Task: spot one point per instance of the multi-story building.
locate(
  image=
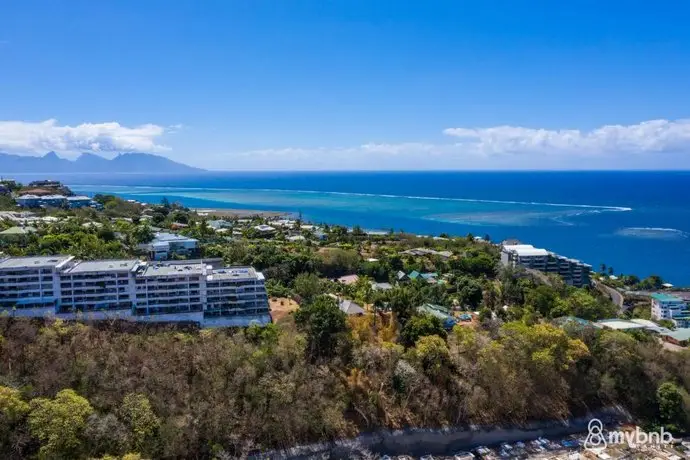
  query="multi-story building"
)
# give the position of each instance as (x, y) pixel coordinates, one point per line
(164, 245)
(573, 271)
(55, 201)
(173, 291)
(97, 286)
(234, 292)
(666, 306)
(181, 291)
(29, 286)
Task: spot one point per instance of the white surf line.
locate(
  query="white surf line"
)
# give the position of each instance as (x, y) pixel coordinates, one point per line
(413, 197)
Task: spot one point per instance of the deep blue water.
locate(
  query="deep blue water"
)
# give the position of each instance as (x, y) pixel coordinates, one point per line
(637, 222)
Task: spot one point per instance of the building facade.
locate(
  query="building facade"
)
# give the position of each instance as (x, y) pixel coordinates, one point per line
(183, 291)
(97, 286)
(666, 306)
(31, 284)
(166, 245)
(55, 201)
(573, 272)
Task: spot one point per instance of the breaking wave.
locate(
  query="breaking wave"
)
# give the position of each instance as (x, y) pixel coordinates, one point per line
(659, 233)
(592, 208)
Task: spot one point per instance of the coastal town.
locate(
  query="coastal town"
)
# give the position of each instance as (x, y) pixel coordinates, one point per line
(171, 252)
(108, 260)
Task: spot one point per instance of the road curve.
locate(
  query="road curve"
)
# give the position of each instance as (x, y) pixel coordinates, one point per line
(615, 296)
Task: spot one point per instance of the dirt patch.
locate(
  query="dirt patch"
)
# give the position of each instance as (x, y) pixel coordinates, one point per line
(281, 307)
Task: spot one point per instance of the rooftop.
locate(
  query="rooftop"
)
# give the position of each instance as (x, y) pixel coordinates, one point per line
(381, 286)
(166, 237)
(619, 324)
(18, 231)
(679, 334)
(527, 250)
(160, 269)
(350, 308)
(33, 262)
(348, 279)
(666, 297)
(104, 266)
(234, 273)
(438, 311)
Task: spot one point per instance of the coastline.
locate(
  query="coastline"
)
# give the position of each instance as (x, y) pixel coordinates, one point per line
(460, 203)
(239, 213)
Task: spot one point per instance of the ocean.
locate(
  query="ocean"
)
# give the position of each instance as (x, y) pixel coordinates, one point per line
(636, 222)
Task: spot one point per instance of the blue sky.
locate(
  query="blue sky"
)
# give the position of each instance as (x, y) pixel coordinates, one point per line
(253, 84)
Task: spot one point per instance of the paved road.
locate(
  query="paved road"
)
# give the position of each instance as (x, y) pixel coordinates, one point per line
(616, 297)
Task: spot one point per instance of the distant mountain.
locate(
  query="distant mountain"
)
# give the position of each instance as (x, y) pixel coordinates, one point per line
(51, 163)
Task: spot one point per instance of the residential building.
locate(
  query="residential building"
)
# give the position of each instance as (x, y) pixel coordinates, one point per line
(218, 224)
(381, 286)
(46, 183)
(350, 308)
(29, 285)
(348, 279)
(284, 223)
(19, 217)
(233, 293)
(16, 233)
(265, 229)
(296, 238)
(427, 252)
(679, 337)
(170, 292)
(573, 272)
(625, 325)
(166, 245)
(177, 291)
(28, 201)
(667, 306)
(440, 312)
(79, 202)
(97, 285)
(33, 200)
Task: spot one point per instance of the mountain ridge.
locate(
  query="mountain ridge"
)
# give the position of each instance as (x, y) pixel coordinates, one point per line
(128, 162)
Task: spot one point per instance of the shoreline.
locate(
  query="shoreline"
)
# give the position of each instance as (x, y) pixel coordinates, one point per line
(239, 213)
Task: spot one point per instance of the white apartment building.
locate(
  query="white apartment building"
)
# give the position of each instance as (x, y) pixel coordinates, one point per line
(175, 292)
(182, 291)
(573, 271)
(666, 306)
(234, 292)
(97, 286)
(30, 285)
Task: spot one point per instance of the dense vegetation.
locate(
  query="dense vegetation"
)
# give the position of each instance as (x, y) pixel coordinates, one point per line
(170, 394)
(115, 389)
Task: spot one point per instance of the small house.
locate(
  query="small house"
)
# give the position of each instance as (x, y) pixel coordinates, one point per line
(348, 279)
(350, 308)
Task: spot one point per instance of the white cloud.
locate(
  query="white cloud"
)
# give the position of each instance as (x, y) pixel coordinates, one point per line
(499, 147)
(645, 137)
(41, 137)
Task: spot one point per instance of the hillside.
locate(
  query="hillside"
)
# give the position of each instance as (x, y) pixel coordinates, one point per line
(91, 163)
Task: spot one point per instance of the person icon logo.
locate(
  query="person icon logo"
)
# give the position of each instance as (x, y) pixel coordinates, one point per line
(595, 437)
